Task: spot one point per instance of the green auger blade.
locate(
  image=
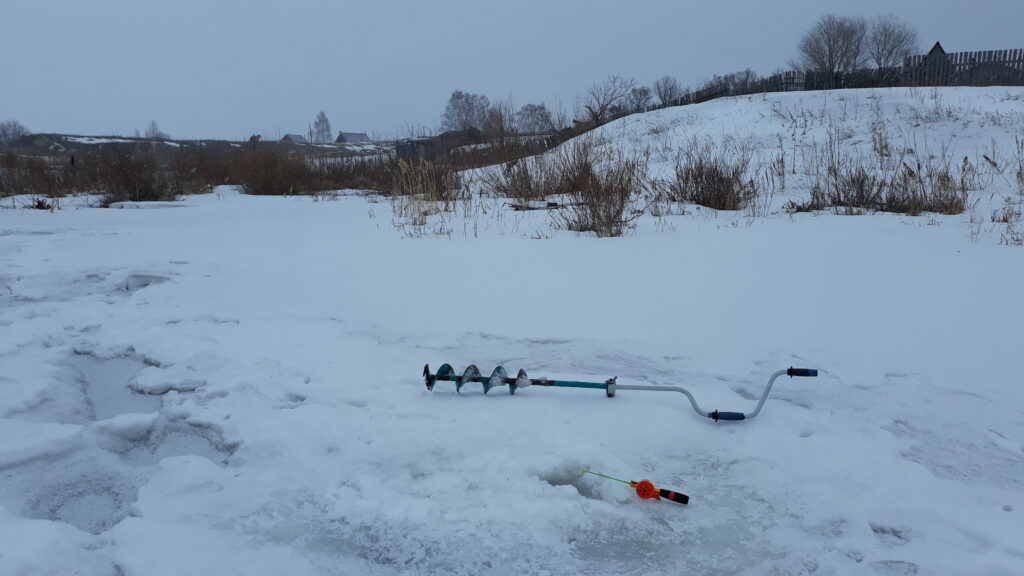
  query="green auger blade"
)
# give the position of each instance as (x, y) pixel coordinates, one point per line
(443, 373)
(497, 379)
(472, 374)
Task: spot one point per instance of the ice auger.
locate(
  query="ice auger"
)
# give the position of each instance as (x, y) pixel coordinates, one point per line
(500, 378)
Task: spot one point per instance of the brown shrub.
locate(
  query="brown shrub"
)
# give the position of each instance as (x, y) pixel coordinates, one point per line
(29, 175)
(435, 181)
(131, 175)
(718, 178)
(601, 191)
(272, 171)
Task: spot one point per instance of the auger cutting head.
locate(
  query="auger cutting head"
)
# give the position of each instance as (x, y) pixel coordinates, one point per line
(472, 374)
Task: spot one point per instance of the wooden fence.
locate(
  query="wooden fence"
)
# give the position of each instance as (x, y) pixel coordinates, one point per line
(991, 68)
(987, 68)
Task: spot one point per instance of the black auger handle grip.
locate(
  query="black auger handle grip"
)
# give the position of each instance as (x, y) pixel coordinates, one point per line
(674, 496)
(717, 415)
(812, 372)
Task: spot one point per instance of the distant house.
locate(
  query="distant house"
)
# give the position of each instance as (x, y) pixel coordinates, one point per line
(419, 148)
(456, 138)
(434, 147)
(294, 139)
(352, 138)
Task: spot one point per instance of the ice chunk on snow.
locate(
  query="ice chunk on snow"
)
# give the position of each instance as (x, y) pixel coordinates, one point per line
(129, 426)
(44, 547)
(21, 441)
(160, 380)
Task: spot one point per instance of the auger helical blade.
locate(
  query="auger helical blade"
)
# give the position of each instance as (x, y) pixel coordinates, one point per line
(497, 379)
(428, 378)
(522, 381)
(444, 373)
(472, 374)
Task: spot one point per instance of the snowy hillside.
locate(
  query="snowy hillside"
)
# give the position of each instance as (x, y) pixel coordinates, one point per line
(232, 384)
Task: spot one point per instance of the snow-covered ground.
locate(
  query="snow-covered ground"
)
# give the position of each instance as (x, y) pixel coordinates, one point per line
(94, 140)
(231, 384)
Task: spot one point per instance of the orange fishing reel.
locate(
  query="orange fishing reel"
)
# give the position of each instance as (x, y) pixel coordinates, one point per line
(646, 490)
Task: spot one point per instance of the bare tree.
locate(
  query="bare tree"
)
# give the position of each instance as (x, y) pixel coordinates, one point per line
(464, 111)
(500, 122)
(736, 82)
(601, 98)
(10, 131)
(153, 132)
(322, 128)
(667, 89)
(890, 41)
(559, 117)
(834, 44)
(535, 118)
(638, 99)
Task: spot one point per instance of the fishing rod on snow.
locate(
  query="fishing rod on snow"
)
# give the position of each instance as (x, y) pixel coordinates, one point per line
(500, 378)
(646, 490)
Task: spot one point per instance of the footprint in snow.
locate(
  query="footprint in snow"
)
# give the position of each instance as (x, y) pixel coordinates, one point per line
(892, 535)
(136, 282)
(894, 568)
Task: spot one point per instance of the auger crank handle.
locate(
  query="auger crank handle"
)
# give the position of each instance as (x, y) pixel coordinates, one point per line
(736, 416)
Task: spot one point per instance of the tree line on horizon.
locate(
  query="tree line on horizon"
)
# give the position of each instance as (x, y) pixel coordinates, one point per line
(833, 44)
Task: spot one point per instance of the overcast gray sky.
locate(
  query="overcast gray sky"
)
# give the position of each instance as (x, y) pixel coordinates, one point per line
(227, 69)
